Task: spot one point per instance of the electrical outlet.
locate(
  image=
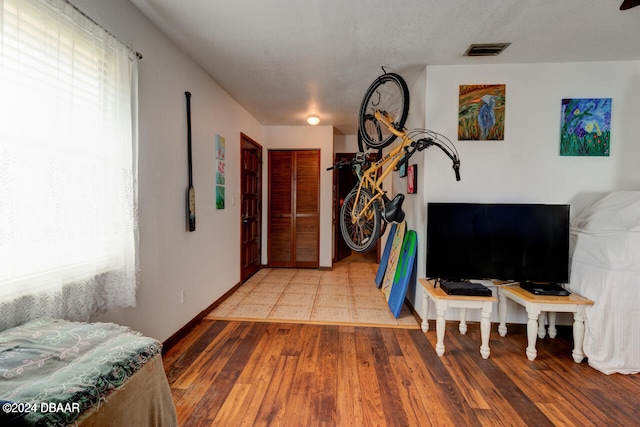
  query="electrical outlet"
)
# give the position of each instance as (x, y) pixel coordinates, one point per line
(183, 296)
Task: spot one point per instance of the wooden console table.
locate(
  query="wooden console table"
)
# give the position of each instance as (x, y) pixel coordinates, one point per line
(537, 304)
(443, 301)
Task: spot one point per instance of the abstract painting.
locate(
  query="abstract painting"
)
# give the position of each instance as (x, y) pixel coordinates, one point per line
(585, 127)
(412, 179)
(220, 172)
(481, 112)
(402, 168)
(220, 147)
(219, 197)
(220, 165)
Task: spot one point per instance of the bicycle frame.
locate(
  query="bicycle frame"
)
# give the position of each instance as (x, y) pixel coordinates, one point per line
(369, 178)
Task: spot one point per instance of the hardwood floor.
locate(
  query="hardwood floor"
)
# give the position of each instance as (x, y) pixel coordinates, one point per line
(229, 373)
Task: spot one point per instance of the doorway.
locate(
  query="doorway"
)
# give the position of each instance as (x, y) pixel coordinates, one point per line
(250, 207)
(344, 180)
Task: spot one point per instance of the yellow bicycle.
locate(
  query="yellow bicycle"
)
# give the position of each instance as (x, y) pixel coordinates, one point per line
(383, 114)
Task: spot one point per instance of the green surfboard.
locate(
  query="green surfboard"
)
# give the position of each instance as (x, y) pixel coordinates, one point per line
(405, 272)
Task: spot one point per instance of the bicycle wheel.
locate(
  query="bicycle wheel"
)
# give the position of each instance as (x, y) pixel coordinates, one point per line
(389, 94)
(363, 235)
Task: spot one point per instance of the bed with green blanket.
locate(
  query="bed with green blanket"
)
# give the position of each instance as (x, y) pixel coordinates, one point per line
(59, 373)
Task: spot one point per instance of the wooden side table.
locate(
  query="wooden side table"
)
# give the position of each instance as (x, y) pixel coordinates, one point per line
(537, 304)
(443, 301)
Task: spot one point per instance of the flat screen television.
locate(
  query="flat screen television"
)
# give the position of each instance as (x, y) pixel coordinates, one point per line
(510, 242)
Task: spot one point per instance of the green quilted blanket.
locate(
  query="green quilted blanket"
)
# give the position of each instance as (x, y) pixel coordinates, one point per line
(52, 370)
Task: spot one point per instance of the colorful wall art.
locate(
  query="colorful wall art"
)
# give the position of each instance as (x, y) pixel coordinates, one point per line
(412, 179)
(481, 112)
(220, 164)
(219, 197)
(585, 127)
(220, 147)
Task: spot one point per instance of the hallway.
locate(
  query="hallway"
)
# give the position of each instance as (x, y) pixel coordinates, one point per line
(345, 295)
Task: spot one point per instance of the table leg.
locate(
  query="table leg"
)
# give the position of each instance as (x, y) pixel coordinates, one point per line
(552, 324)
(578, 334)
(485, 330)
(425, 311)
(532, 335)
(463, 321)
(440, 328)
(542, 331)
(502, 313)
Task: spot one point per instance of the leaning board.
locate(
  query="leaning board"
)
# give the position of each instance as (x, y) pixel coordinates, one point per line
(404, 273)
(394, 255)
(385, 255)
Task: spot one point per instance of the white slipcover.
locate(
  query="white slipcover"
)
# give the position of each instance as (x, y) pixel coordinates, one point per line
(605, 267)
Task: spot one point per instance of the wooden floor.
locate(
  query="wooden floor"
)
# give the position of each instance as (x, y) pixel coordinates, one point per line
(230, 373)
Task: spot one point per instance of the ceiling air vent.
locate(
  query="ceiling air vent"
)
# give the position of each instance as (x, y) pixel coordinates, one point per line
(486, 49)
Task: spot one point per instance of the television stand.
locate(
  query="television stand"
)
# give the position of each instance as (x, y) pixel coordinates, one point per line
(550, 289)
(444, 301)
(535, 305)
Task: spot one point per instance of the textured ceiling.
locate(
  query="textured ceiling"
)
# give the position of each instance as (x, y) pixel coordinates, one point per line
(285, 59)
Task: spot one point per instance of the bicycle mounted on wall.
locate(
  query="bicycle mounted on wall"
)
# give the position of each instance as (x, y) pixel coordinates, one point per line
(383, 113)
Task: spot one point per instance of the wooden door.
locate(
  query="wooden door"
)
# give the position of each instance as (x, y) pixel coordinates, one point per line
(250, 206)
(307, 208)
(294, 208)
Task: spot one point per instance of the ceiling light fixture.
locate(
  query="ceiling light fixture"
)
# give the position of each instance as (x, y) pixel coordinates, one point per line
(313, 120)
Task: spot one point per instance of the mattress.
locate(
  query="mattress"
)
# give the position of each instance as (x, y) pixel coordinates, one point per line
(57, 372)
(605, 267)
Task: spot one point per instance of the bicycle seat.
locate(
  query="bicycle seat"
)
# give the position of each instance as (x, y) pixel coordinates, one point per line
(393, 209)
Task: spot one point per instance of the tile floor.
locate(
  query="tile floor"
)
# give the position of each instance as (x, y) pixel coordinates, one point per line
(347, 294)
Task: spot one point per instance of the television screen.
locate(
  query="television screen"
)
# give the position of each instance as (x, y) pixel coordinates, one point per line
(519, 242)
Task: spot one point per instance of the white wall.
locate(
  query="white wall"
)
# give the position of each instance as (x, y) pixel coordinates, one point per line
(414, 203)
(526, 167)
(303, 137)
(204, 263)
(345, 143)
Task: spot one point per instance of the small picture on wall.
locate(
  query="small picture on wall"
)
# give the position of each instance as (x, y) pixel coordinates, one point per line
(219, 197)
(219, 172)
(402, 168)
(220, 147)
(220, 166)
(585, 127)
(412, 179)
(481, 112)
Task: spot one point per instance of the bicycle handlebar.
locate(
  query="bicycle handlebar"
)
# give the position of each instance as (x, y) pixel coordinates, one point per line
(422, 143)
(344, 163)
(433, 138)
(425, 143)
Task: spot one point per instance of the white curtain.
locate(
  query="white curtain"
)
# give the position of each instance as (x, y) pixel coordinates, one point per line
(68, 165)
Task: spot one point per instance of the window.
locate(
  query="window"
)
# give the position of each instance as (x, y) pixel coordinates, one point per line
(68, 164)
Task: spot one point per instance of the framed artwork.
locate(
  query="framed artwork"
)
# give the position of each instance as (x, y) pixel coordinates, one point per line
(585, 127)
(412, 179)
(402, 168)
(220, 165)
(220, 147)
(219, 172)
(219, 197)
(481, 112)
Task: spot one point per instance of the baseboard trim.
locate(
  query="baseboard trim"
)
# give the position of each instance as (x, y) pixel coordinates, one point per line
(184, 331)
(413, 311)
